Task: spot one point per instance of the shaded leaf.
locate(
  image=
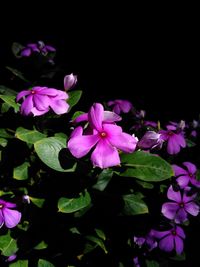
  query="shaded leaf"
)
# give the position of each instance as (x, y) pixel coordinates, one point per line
(4, 90)
(8, 245)
(100, 234)
(19, 263)
(41, 245)
(190, 143)
(37, 201)
(17, 73)
(98, 242)
(76, 114)
(134, 205)
(16, 49)
(103, 179)
(29, 136)
(10, 100)
(44, 263)
(21, 172)
(3, 142)
(74, 97)
(152, 263)
(5, 134)
(69, 205)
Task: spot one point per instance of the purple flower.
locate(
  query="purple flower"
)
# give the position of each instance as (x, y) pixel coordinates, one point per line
(186, 176)
(180, 207)
(148, 240)
(38, 47)
(107, 138)
(171, 239)
(136, 262)
(175, 139)
(120, 106)
(152, 124)
(7, 215)
(150, 140)
(39, 100)
(11, 258)
(70, 81)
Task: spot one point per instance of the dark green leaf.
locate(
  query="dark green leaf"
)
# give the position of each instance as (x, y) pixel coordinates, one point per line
(37, 201)
(44, 263)
(10, 100)
(100, 234)
(74, 97)
(16, 49)
(41, 245)
(21, 172)
(5, 134)
(198, 175)
(8, 245)
(7, 91)
(76, 114)
(69, 205)
(29, 136)
(17, 73)
(146, 167)
(98, 242)
(3, 142)
(48, 150)
(145, 184)
(134, 205)
(152, 263)
(20, 263)
(103, 179)
(190, 143)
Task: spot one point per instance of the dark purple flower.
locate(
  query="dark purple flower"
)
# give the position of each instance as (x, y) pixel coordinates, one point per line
(8, 216)
(181, 206)
(38, 47)
(171, 239)
(152, 124)
(39, 100)
(70, 81)
(175, 140)
(148, 240)
(120, 106)
(187, 175)
(150, 140)
(136, 262)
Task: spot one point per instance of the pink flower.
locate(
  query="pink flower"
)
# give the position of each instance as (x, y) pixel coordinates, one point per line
(107, 138)
(7, 215)
(70, 81)
(120, 106)
(39, 100)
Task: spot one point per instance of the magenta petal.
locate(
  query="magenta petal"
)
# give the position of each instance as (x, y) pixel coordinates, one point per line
(191, 167)
(180, 140)
(169, 210)
(181, 216)
(192, 208)
(80, 145)
(41, 102)
(1, 219)
(11, 217)
(117, 109)
(125, 106)
(180, 232)
(95, 116)
(178, 244)
(173, 195)
(80, 118)
(26, 52)
(48, 91)
(7, 204)
(22, 94)
(183, 181)
(37, 112)
(167, 243)
(109, 116)
(178, 170)
(50, 48)
(172, 146)
(59, 106)
(105, 155)
(27, 105)
(61, 95)
(160, 234)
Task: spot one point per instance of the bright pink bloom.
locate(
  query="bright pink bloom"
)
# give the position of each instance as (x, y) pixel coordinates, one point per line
(39, 100)
(107, 138)
(120, 106)
(7, 215)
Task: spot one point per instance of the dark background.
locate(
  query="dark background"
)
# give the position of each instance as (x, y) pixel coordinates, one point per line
(149, 58)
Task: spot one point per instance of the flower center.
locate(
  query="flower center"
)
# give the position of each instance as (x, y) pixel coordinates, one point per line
(170, 133)
(33, 92)
(181, 205)
(1, 206)
(190, 174)
(173, 232)
(103, 134)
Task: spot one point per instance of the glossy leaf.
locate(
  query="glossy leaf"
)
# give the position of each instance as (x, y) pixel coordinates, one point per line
(69, 205)
(37, 201)
(19, 263)
(134, 205)
(29, 136)
(8, 245)
(74, 97)
(146, 167)
(103, 179)
(10, 100)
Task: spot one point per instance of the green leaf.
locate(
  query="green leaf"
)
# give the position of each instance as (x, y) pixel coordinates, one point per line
(41, 245)
(16, 49)
(4, 134)
(146, 167)
(44, 263)
(69, 205)
(29, 136)
(103, 179)
(100, 234)
(17, 73)
(152, 263)
(3, 142)
(10, 100)
(198, 175)
(134, 205)
(180, 257)
(8, 245)
(145, 184)
(49, 149)
(21, 172)
(98, 242)
(76, 114)
(62, 135)
(74, 97)
(37, 201)
(20, 263)
(4, 90)
(190, 143)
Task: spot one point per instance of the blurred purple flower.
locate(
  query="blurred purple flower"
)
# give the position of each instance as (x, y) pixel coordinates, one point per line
(120, 106)
(171, 239)
(148, 240)
(70, 81)
(186, 176)
(106, 137)
(39, 100)
(180, 207)
(175, 139)
(11, 258)
(152, 124)
(38, 47)
(7, 215)
(136, 262)
(150, 140)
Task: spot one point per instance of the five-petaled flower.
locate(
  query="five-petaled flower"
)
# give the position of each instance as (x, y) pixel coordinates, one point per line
(180, 207)
(8, 216)
(120, 106)
(106, 137)
(39, 100)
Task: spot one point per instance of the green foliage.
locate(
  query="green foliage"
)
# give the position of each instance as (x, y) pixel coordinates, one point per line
(74, 97)
(8, 245)
(21, 172)
(19, 263)
(134, 205)
(29, 136)
(44, 263)
(10, 101)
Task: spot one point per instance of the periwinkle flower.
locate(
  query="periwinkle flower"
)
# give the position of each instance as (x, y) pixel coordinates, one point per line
(181, 206)
(136, 262)
(38, 47)
(187, 175)
(175, 139)
(150, 140)
(120, 106)
(11, 258)
(8, 216)
(107, 138)
(149, 241)
(39, 100)
(171, 239)
(70, 81)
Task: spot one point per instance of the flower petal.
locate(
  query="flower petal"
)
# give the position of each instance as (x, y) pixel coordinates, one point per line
(11, 217)
(181, 216)
(22, 94)
(80, 118)
(191, 167)
(167, 243)
(183, 181)
(37, 112)
(169, 210)
(27, 105)
(192, 208)
(180, 232)
(105, 155)
(95, 116)
(1, 218)
(109, 116)
(79, 145)
(178, 244)
(41, 102)
(59, 106)
(173, 195)
(26, 52)
(160, 234)
(173, 146)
